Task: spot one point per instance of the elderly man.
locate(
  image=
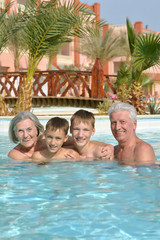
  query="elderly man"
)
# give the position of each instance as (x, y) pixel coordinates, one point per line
(130, 150)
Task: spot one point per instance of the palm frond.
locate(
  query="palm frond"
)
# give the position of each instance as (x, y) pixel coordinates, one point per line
(124, 75)
(131, 35)
(6, 26)
(147, 51)
(94, 45)
(53, 25)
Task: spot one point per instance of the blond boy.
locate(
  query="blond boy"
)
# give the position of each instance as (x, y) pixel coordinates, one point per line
(56, 134)
(82, 128)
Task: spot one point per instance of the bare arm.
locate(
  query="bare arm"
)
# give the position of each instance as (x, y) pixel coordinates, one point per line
(106, 151)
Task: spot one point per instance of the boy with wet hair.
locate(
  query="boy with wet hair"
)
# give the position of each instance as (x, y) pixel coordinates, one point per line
(56, 134)
(82, 128)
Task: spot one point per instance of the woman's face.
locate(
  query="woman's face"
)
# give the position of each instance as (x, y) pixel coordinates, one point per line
(27, 133)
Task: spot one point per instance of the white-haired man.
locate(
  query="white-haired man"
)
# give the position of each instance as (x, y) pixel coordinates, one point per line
(130, 150)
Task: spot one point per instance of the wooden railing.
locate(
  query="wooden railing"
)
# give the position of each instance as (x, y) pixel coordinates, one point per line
(49, 85)
(46, 83)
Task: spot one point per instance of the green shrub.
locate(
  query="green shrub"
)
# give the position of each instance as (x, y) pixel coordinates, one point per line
(154, 107)
(104, 106)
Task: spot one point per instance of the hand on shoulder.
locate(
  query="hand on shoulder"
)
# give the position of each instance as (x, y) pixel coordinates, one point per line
(71, 154)
(104, 150)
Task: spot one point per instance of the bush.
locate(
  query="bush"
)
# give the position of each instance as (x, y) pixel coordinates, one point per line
(104, 106)
(154, 107)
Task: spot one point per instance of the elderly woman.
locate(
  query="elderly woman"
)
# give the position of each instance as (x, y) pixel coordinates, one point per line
(26, 130)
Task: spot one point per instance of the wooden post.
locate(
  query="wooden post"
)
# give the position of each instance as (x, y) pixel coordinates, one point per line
(97, 80)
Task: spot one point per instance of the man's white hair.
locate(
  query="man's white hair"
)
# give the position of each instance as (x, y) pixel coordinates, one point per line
(121, 106)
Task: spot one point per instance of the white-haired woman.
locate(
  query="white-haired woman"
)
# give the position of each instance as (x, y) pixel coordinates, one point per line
(26, 130)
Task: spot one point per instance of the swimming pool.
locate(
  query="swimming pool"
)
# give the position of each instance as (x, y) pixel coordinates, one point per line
(85, 200)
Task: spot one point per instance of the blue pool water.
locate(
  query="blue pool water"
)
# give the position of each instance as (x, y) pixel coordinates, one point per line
(80, 201)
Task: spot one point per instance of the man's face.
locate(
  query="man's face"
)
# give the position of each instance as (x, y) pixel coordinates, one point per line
(81, 133)
(122, 126)
(55, 139)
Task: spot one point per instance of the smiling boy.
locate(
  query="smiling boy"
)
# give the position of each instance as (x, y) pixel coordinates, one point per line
(56, 134)
(82, 129)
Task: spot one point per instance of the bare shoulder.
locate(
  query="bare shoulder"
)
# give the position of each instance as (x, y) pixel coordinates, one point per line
(15, 154)
(38, 156)
(98, 143)
(41, 144)
(144, 152)
(18, 155)
(141, 145)
(101, 144)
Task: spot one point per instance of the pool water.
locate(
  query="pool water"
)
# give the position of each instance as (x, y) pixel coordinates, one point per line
(96, 200)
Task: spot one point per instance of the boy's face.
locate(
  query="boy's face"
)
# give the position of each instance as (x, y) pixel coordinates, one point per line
(81, 133)
(55, 139)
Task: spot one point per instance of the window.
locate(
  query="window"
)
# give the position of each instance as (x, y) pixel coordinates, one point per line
(2, 4)
(65, 51)
(116, 67)
(21, 5)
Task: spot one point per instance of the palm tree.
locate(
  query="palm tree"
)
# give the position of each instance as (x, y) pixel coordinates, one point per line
(15, 42)
(7, 27)
(52, 24)
(94, 45)
(100, 49)
(144, 54)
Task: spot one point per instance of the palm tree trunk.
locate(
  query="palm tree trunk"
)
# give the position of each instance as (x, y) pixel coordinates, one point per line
(24, 102)
(97, 80)
(49, 62)
(3, 107)
(16, 64)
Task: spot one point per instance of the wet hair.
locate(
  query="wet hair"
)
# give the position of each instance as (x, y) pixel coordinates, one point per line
(21, 117)
(58, 123)
(83, 116)
(121, 106)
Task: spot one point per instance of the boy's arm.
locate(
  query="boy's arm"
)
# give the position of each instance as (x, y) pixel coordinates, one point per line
(106, 151)
(71, 154)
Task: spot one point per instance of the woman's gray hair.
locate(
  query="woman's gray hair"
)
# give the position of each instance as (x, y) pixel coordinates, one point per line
(121, 106)
(20, 117)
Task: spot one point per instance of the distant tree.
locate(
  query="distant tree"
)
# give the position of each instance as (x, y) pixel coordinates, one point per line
(94, 45)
